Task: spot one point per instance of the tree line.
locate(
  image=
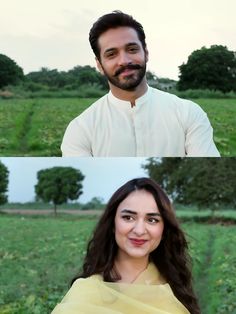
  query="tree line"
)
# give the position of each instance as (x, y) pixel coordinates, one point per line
(211, 68)
(204, 182)
(208, 183)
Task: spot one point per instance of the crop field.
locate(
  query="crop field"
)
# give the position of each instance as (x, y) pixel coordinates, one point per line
(39, 256)
(35, 127)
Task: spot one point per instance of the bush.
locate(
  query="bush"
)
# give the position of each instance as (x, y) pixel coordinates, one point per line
(203, 93)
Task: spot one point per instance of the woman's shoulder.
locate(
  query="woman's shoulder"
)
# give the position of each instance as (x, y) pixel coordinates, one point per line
(88, 279)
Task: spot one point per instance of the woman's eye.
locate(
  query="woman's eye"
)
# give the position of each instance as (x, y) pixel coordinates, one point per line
(153, 220)
(127, 218)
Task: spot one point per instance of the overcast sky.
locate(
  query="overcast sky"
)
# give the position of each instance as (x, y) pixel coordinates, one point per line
(54, 33)
(102, 175)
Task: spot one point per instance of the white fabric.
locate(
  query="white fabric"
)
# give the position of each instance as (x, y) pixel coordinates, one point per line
(159, 125)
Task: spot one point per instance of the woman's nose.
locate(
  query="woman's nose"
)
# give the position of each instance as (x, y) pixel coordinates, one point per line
(139, 228)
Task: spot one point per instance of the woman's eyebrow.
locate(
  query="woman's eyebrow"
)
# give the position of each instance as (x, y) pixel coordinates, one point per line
(128, 211)
(154, 214)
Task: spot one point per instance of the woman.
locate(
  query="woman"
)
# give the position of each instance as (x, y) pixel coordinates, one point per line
(136, 261)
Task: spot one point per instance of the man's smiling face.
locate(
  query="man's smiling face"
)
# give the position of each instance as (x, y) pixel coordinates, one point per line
(122, 58)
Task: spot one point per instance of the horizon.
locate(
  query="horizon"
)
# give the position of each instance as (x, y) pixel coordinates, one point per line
(55, 34)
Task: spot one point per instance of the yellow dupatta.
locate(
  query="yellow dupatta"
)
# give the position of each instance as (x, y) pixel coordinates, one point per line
(145, 296)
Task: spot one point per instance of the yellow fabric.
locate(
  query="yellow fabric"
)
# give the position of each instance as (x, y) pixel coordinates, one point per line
(145, 295)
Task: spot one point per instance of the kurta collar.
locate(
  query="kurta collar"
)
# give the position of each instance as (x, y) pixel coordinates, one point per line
(126, 104)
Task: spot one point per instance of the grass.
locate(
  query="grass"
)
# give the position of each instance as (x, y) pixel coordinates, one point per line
(35, 127)
(39, 256)
(222, 115)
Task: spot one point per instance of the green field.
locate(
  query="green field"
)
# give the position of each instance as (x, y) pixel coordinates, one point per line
(35, 127)
(39, 256)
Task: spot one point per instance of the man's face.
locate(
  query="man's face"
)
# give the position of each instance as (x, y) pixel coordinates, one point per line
(122, 58)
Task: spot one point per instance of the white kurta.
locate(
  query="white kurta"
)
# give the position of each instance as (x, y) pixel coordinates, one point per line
(159, 125)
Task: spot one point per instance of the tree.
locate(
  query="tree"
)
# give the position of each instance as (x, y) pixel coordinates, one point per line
(81, 75)
(10, 72)
(3, 183)
(76, 77)
(94, 203)
(211, 68)
(47, 77)
(58, 185)
(205, 182)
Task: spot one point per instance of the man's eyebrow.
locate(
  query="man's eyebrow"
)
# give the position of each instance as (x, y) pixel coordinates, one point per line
(132, 44)
(127, 45)
(128, 211)
(109, 49)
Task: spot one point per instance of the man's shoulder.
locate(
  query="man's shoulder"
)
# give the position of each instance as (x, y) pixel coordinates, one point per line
(171, 100)
(98, 104)
(162, 94)
(92, 111)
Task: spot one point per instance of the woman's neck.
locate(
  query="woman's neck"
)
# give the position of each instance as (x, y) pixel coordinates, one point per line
(129, 269)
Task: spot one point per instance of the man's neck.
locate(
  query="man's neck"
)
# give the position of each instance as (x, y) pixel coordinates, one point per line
(130, 96)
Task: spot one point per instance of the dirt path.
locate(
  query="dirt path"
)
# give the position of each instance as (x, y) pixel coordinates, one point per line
(26, 125)
(50, 211)
(203, 279)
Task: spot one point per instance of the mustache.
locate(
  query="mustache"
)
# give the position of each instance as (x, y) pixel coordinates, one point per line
(128, 67)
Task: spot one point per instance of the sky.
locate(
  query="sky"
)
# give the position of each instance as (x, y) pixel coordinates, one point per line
(103, 176)
(54, 34)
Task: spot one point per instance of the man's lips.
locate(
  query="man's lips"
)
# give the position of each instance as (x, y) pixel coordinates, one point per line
(127, 69)
(137, 242)
(127, 72)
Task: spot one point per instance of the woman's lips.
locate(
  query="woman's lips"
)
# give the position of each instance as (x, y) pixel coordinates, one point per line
(137, 242)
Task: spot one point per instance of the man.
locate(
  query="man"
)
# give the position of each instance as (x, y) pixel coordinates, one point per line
(134, 119)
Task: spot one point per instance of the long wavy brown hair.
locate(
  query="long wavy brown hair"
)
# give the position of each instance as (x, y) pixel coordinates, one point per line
(170, 257)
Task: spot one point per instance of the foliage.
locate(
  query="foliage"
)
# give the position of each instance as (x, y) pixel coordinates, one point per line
(204, 93)
(3, 183)
(59, 184)
(10, 72)
(206, 182)
(211, 68)
(32, 135)
(31, 90)
(94, 203)
(72, 79)
(47, 253)
(212, 249)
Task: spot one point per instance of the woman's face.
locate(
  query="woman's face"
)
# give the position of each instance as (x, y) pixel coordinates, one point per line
(138, 225)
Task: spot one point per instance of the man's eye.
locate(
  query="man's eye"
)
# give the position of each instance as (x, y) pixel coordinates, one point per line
(133, 49)
(110, 54)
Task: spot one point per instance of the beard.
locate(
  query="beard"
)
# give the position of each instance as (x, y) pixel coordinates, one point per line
(129, 82)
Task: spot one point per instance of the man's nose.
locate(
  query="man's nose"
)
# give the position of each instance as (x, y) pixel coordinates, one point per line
(124, 58)
(139, 227)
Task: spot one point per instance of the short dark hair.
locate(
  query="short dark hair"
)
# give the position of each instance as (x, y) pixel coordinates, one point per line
(113, 20)
(170, 257)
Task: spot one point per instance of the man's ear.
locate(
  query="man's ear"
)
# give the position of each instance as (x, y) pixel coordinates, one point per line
(146, 54)
(99, 66)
